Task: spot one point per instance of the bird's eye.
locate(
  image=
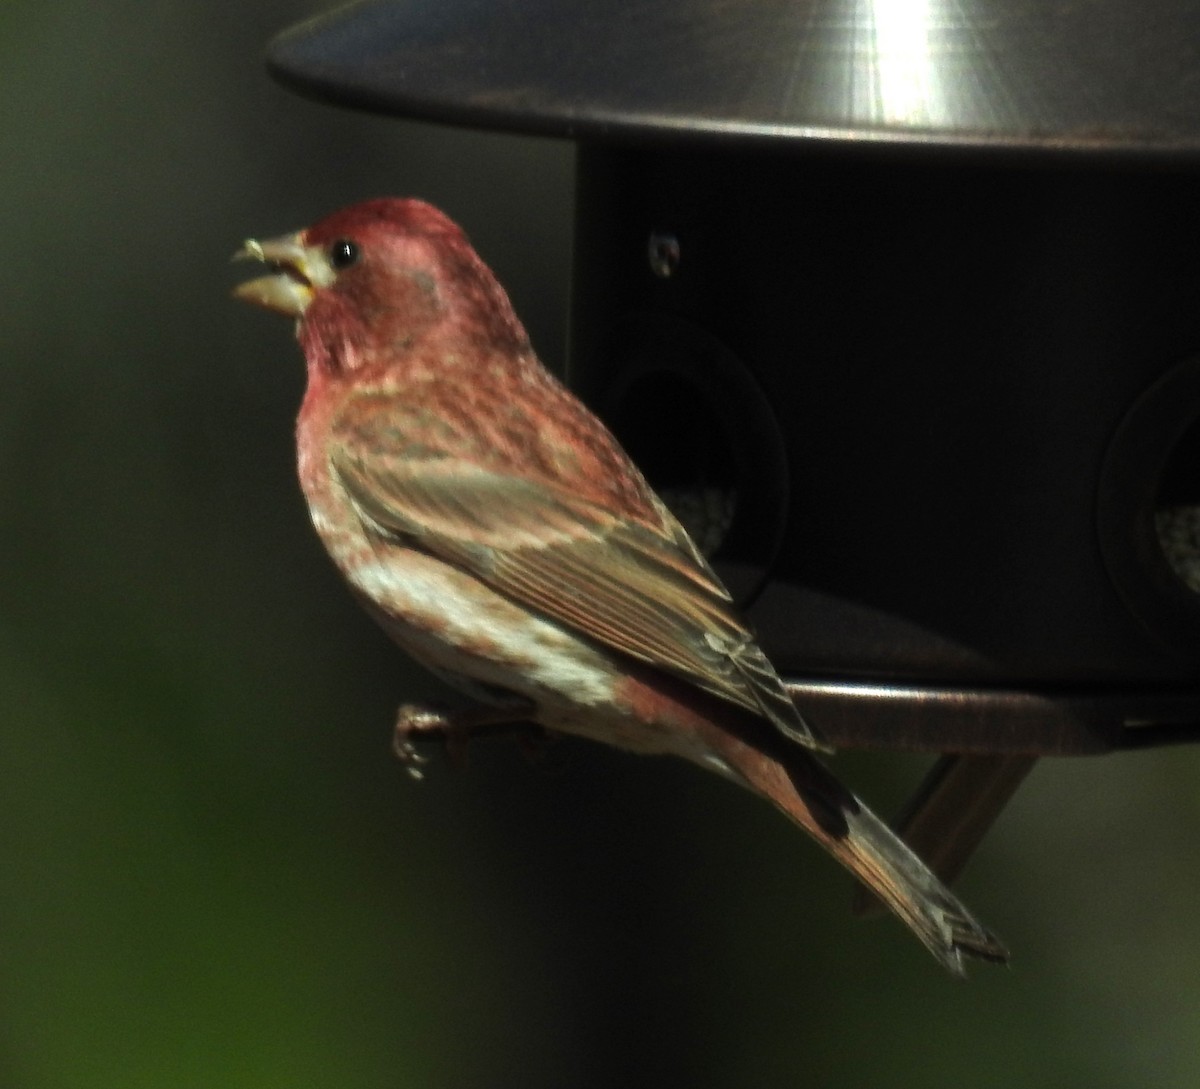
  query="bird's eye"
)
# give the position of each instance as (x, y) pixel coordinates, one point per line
(343, 253)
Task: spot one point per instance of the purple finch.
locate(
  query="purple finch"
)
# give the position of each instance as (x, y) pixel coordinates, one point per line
(502, 537)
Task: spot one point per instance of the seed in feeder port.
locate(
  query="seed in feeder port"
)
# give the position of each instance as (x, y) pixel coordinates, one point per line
(1178, 531)
(705, 512)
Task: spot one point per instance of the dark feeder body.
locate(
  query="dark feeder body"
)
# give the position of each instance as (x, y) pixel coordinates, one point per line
(906, 307)
(948, 396)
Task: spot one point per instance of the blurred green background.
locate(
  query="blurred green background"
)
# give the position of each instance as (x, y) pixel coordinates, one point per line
(213, 873)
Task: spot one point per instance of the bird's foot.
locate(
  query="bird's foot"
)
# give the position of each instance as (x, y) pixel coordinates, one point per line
(456, 730)
(416, 724)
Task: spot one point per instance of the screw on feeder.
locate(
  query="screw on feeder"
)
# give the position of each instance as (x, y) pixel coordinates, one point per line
(662, 251)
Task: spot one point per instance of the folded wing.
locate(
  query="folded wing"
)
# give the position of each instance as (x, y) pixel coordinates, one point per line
(638, 589)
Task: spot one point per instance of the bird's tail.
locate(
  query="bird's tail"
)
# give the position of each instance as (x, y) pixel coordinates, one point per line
(952, 810)
(797, 783)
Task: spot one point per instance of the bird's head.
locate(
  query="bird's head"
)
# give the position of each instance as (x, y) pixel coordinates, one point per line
(382, 274)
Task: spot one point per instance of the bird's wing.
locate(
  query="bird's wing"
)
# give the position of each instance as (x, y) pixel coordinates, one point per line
(618, 582)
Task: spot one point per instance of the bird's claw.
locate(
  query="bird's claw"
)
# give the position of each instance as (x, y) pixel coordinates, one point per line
(415, 724)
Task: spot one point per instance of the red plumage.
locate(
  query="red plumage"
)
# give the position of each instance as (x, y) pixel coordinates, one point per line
(501, 536)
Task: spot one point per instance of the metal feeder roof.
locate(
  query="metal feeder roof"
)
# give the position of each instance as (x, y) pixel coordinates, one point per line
(1092, 76)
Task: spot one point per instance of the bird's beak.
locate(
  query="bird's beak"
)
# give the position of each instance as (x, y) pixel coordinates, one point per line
(297, 271)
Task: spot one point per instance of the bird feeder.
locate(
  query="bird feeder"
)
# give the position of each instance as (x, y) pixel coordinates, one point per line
(899, 302)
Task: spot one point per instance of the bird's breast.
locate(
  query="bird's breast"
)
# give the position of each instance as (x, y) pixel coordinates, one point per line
(449, 619)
